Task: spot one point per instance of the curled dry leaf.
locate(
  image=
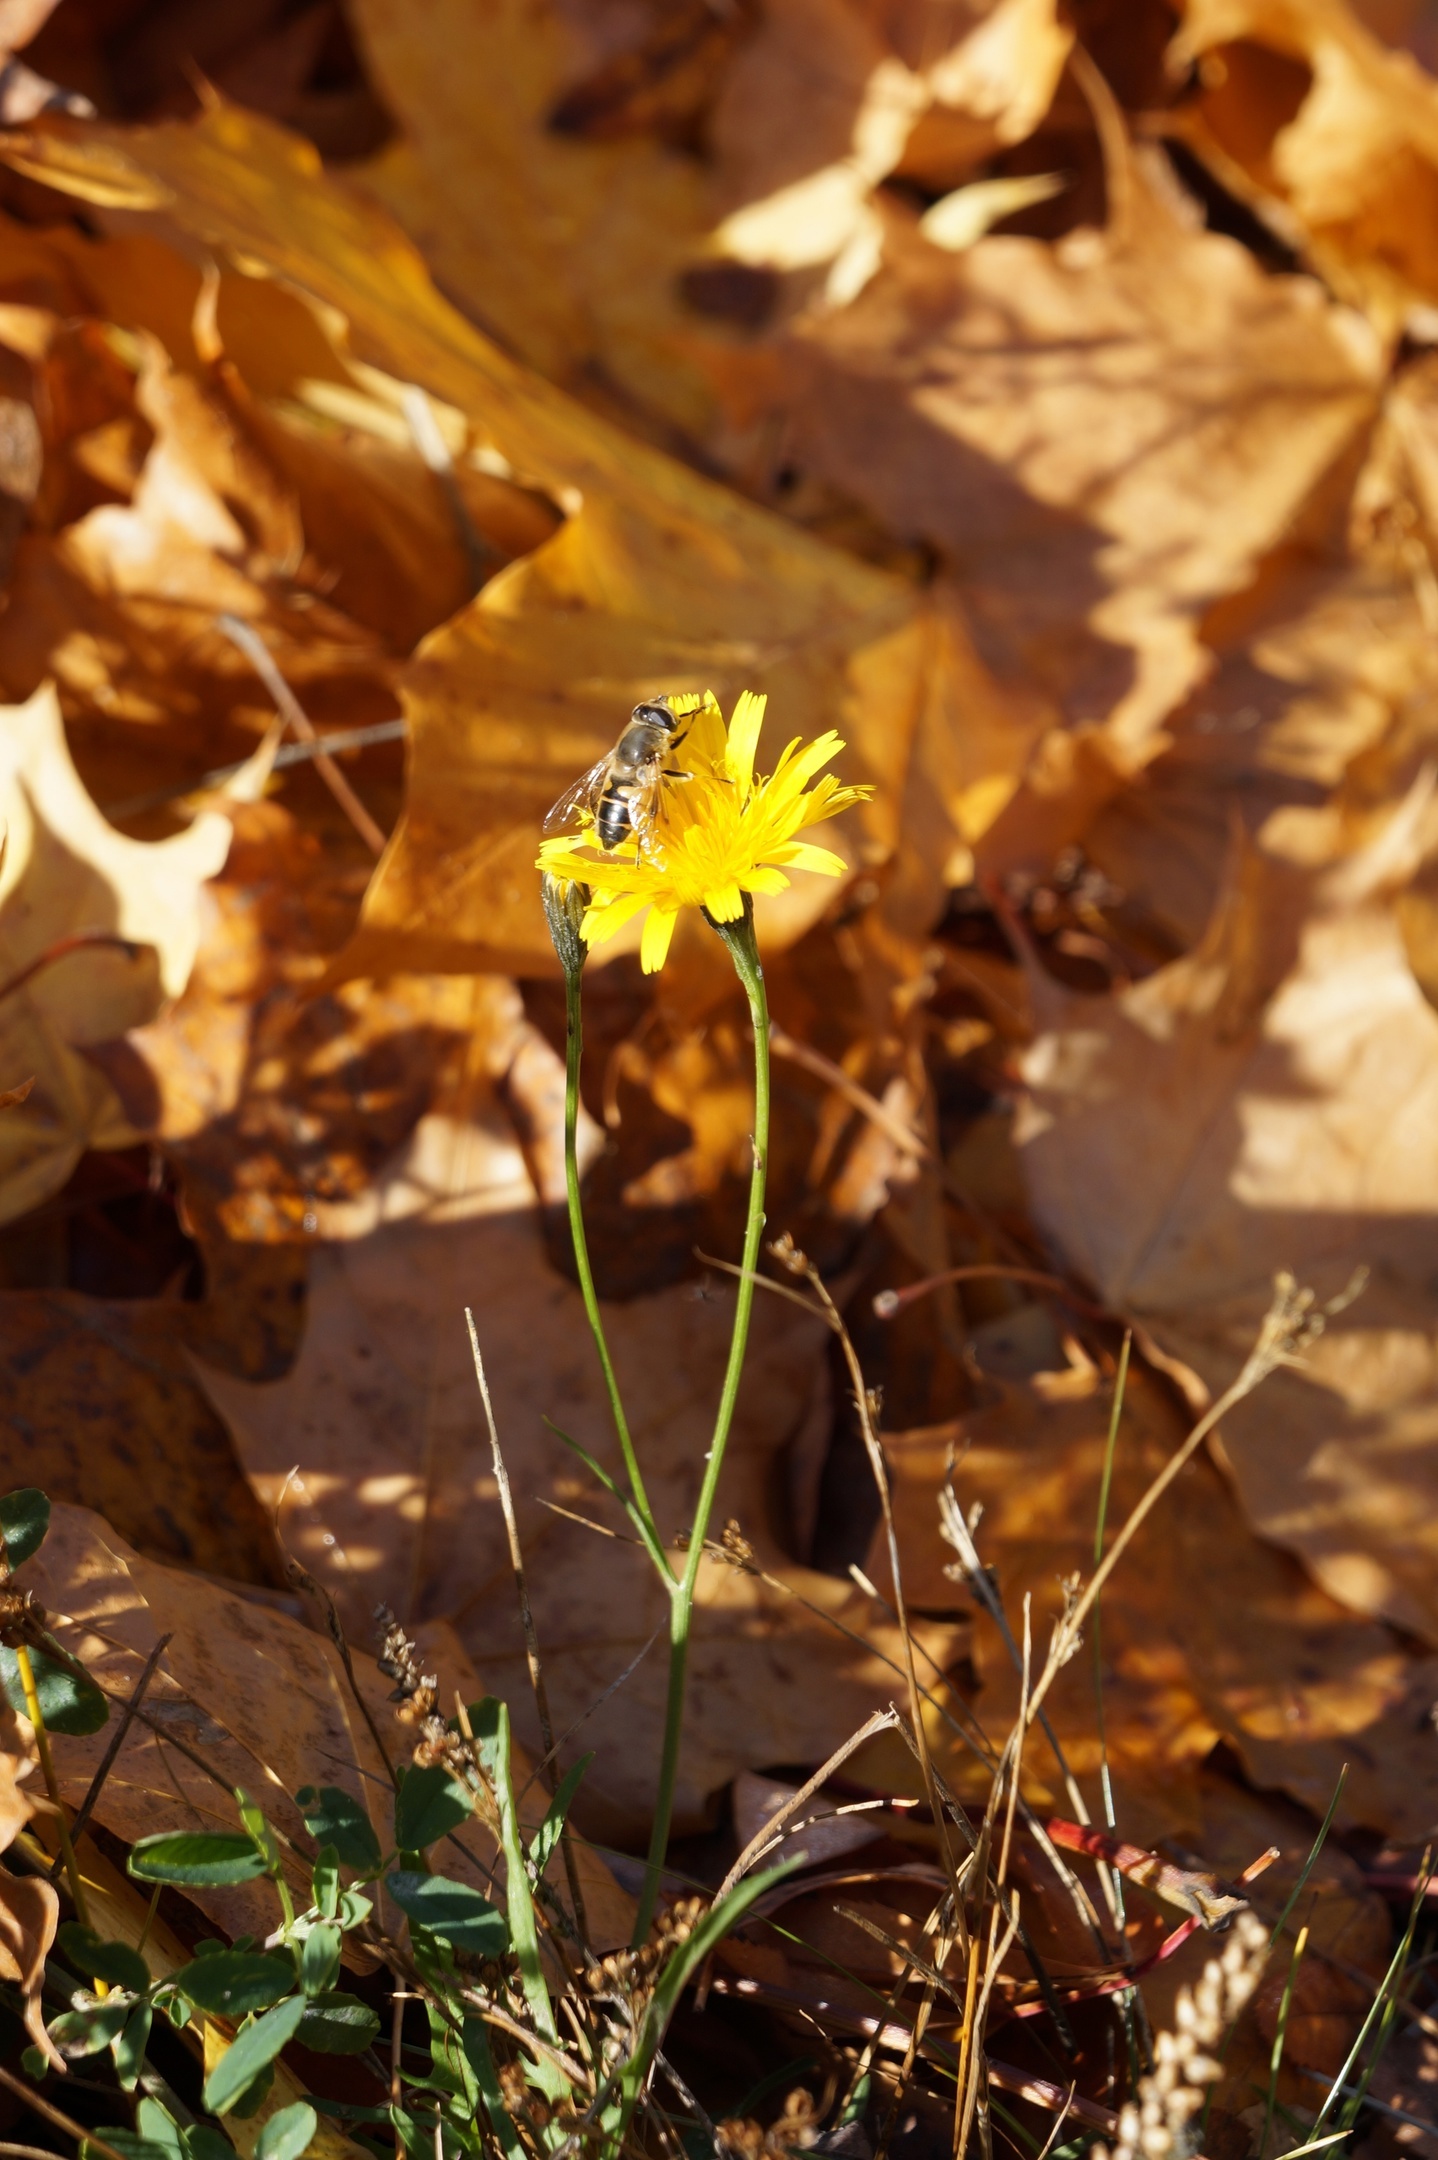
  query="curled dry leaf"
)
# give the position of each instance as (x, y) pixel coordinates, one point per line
(96, 931)
(1332, 136)
(1267, 1103)
(255, 1697)
(29, 1915)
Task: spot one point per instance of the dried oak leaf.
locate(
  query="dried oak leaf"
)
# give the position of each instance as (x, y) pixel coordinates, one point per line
(375, 1450)
(96, 932)
(258, 1697)
(1268, 1103)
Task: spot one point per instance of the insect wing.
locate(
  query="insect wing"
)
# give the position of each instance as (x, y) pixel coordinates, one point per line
(582, 796)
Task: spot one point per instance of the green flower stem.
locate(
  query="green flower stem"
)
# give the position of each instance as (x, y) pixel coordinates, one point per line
(744, 952)
(574, 1052)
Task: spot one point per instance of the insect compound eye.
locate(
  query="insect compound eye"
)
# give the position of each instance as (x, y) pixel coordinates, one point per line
(653, 714)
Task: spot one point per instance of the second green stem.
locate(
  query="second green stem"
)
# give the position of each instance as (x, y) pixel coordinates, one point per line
(743, 950)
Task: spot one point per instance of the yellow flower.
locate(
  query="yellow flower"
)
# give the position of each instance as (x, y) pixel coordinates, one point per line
(716, 834)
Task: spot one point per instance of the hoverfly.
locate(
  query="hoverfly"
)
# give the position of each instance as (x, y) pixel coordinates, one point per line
(622, 790)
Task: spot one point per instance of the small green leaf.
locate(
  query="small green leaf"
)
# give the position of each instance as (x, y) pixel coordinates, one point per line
(451, 1911)
(129, 2046)
(126, 2142)
(255, 2094)
(552, 1828)
(203, 2143)
(428, 1805)
(254, 1821)
(85, 2032)
(236, 1982)
(114, 1962)
(68, 1703)
(196, 1856)
(354, 1909)
(253, 2051)
(337, 2025)
(334, 1817)
(320, 1960)
(34, 2062)
(325, 1881)
(287, 2135)
(24, 1519)
(157, 2126)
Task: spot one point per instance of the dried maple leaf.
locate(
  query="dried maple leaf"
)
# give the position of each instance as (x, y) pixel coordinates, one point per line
(1103, 436)
(575, 263)
(1265, 1103)
(393, 1494)
(657, 575)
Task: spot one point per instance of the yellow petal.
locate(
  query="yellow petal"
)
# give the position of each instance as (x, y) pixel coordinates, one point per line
(744, 739)
(705, 742)
(801, 855)
(654, 943)
(725, 903)
(766, 879)
(794, 772)
(608, 914)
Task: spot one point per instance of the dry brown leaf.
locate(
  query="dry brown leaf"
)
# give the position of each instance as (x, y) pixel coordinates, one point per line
(825, 101)
(392, 1493)
(657, 575)
(121, 915)
(1208, 1633)
(277, 1098)
(29, 1916)
(1349, 1943)
(1303, 112)
(102, 1409)
(1103, 436)
(1266, 1103)
(259, 1698)
(569, 250)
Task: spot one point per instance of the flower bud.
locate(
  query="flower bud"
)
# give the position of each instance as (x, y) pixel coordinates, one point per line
(564, 906)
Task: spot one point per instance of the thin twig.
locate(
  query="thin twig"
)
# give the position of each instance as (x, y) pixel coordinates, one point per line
(288, 706)
(764, 1840)
(57, 2116)
(526, 1621)
(117, 1741)
(897, 1129)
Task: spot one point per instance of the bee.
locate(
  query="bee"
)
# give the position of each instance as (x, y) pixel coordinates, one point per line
(622, 790)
